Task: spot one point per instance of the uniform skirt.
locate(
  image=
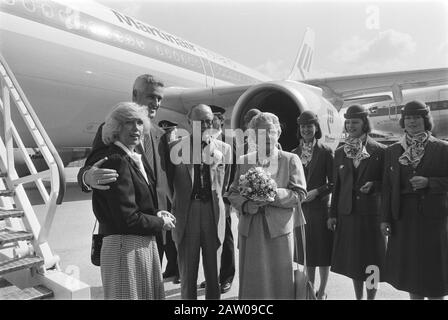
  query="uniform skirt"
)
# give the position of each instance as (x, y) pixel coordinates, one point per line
(130, 268)
(417, 253)
(319, 239)
(359, 247)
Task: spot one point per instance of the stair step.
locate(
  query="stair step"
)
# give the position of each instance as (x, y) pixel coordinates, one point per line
(12, 236)
(7, 193)
(10, 213)
(34, 293)
(20, 263)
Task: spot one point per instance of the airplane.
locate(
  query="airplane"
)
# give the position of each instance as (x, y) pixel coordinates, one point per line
(386, 114)
(74, 62)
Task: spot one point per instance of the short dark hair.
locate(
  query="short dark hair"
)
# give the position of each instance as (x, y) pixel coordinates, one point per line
(366, 128)
(220, 116)
(250, 115)
(317, 135)
(427, 120)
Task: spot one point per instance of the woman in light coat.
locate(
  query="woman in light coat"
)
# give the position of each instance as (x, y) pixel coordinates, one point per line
(265, 229)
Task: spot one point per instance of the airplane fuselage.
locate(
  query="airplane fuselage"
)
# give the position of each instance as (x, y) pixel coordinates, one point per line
(386, 115)
(74, 64)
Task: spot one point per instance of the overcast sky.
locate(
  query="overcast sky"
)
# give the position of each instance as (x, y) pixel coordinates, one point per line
(351, 37)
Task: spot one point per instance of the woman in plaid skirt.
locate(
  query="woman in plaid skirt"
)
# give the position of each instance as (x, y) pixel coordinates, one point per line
(128, 217)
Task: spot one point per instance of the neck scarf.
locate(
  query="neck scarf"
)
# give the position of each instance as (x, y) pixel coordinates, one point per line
(414, 148)
(307, 151)
(355, 149)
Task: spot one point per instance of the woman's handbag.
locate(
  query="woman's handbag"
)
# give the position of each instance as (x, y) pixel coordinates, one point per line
(95, 252)
(304, 289)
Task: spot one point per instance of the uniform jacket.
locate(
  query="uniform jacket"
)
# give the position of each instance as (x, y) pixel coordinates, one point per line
(160, 175)
(128, 207)
(433, 165)
(183, 178)
(279, 215)
(346, 192)
(320, 173)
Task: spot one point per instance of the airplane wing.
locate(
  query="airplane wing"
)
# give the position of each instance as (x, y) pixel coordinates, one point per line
(338, 89)
(182, 99)
(368, 99)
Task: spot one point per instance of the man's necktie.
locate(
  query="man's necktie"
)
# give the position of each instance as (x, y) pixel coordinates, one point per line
(149, 152)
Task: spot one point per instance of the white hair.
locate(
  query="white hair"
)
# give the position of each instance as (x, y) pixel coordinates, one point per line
(265, 118)
(122, 112)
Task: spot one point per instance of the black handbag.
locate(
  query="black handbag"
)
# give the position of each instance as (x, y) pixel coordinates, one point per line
(95, 252)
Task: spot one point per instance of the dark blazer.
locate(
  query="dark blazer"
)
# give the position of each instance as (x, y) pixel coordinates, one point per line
(434, 166)
(128, 207)
(346, 194)
(160, 175)
(319, 173)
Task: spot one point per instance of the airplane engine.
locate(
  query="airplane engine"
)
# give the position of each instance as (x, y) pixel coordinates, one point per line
(288, 99)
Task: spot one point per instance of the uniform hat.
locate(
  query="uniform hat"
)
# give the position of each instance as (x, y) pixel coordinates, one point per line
(356, 111)
(415, 108)
(217, 110)
(307, 117)
(167, 125)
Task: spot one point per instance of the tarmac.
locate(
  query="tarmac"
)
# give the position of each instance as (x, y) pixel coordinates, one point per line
(71, 234)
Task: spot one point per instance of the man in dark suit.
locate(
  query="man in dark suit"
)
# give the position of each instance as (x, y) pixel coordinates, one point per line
(227, 269)
(147, 91)
(201, 176)
(172, 269)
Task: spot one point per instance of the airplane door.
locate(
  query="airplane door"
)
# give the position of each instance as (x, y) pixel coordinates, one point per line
(208, 70)
(394, 111)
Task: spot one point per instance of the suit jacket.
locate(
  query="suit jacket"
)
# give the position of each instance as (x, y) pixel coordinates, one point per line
(222, 137)
(319, 173)
(290, 180)
(160, 175)
(128, 207)
(346, 192)
(183, 178)
(433, 165)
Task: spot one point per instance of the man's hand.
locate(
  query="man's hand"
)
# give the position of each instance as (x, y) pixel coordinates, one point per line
(366, 187)
(386, 229)
(311, 195)
(332, 223)
(419, 182)
(96, 177)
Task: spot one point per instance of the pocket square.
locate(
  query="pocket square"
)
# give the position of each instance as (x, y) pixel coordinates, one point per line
(341, 167)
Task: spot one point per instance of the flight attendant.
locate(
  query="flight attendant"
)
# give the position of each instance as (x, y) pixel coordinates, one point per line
(359, 246)
(416, 207)
(317, 161)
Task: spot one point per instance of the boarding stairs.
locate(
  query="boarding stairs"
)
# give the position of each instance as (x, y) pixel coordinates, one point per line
(28, 267)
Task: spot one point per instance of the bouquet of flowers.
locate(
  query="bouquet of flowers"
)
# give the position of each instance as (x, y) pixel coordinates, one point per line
(257, 185)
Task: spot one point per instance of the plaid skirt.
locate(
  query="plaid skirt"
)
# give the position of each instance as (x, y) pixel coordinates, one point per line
(130, 268)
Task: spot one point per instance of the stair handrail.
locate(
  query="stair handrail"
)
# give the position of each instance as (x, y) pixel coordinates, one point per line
(41, 129)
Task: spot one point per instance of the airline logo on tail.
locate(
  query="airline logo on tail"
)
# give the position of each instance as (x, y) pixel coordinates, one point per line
(302, 65)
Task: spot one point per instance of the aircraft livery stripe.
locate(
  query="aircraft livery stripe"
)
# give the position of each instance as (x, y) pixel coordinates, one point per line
(392, 110)
(65, 18)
